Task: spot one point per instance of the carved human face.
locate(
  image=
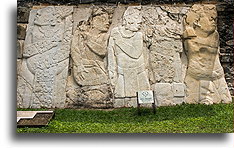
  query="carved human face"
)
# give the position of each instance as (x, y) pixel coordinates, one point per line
(207, 22)
(133, 22)
(45, 17)
(101, 22)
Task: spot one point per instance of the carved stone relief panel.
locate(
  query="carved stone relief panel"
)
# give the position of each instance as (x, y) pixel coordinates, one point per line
(100, 56)
(89, 48)
(205, 77)
(88, 53)
(43, 73)
(126, 63)
(163, 29)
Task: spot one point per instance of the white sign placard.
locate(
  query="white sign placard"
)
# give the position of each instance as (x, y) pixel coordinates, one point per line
(145, 96)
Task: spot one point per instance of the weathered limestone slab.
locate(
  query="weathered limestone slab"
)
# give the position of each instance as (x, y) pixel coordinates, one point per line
(130, 102)
(164, 94)
(117, 103)
(88, 96)
(205, 77)
(44, 69)
(88, 85)
(125, 102)
(168, 94)
(162, 26)
(178, 89)
(126, 65)
(89, 46)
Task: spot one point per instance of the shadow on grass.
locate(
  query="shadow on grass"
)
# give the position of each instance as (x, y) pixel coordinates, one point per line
(129, 115)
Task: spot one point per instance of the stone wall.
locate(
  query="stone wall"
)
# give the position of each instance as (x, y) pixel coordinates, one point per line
(75, 2)
(225, 29)
(85, 81)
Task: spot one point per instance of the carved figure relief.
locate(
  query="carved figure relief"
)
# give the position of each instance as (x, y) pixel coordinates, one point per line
(100, 56)
(163, 29)
(89, 48)
(42, 79)
(126, 65)
(205, 77)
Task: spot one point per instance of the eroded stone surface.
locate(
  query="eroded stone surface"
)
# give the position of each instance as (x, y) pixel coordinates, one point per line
(163, 28)
(89, 48)
(205, 77)
(43, 74)
(126, 65)
(88, 52)
(130, 102)
(168, 94)
(87, 96)
(225, 29)
(118, 103)
(21, 31)
(20, 47)
(178, 89)
(23, 14)
(117, 51)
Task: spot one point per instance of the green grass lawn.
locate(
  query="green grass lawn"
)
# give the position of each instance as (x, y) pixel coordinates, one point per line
(184, 118)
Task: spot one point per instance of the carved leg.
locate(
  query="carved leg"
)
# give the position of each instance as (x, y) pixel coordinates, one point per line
(192, 92)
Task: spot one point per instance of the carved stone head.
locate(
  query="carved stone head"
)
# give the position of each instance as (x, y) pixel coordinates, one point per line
(100, 20)
(132, 18)
(202, 18)
(45, 17)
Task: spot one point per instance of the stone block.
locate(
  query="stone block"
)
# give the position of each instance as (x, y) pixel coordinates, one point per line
(178, 100)
(130, 102)
(23, 14)
(21, 31)
(168, 94)
(87, 96)
(117, 103)
(20, 47)
(178, 89)
(164, 94)
(43, 75)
